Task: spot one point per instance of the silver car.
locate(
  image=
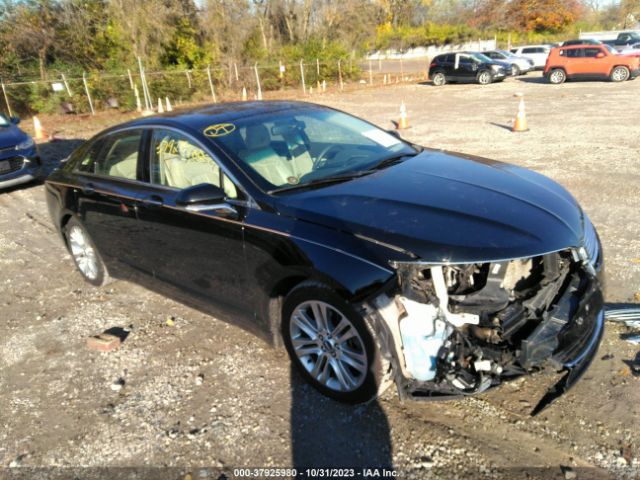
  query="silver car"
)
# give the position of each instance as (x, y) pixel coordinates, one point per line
(519, 65)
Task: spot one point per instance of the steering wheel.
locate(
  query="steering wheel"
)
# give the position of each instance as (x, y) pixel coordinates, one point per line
(318, 161)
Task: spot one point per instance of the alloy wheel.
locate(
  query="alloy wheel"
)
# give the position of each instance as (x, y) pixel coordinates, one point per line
(484, 78)
(439, 79)
(557, 76)
(83, 253)
(328, 346)
(619, 74)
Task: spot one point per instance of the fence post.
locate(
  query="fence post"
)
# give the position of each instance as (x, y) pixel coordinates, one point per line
(130, 78)
(340, 75)
(66, 85)
(188, 73)
(318, 69)
(145, 88)
(213, 92)
(235, 67)
(86, 89)
(255, 67)
(6, 100)
(304, 87)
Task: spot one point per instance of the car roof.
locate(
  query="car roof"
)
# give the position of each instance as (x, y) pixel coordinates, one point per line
(197, 118)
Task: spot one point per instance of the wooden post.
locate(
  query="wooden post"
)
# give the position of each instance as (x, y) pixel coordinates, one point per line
(6, 100)
(317, 70)
(86, 89)
(235, 67)
(66, 85)
(188, 73)
(370, 74)
(340, 75)
(255, 67)
(304, 87)
(213, 92)
(130, 78)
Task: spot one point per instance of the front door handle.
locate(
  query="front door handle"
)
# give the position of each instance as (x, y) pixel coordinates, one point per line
(89, 189)
(152, 201)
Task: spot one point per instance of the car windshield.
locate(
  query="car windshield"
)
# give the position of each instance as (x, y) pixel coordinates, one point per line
(481, 57)
(504, 53)
(301, 147)
(4, 121)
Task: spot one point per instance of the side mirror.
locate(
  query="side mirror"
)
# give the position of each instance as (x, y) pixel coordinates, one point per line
(203, 197)
(15, 120)
(395, 133)
(599, 55)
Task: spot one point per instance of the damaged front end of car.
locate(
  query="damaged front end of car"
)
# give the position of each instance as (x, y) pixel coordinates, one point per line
(459, 329)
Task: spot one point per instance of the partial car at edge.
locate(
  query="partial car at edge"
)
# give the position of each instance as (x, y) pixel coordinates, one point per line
(19, 159)
(369, 258)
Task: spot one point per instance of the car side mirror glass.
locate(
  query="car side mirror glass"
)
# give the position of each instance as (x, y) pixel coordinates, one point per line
(15, 120)
(202, 194)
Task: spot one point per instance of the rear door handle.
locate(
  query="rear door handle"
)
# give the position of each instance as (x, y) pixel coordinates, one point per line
(152, 201)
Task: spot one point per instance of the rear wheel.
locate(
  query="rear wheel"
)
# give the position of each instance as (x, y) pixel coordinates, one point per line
(331, 345)
(485, 77)
(557, 76)
(439, 79)
(619, 74)
(515, 70)
(85, 254)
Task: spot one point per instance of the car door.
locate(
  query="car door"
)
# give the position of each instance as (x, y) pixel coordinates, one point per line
(573, 64)
(597, 62)
(467, 68)
(108, 177)
(199, 251)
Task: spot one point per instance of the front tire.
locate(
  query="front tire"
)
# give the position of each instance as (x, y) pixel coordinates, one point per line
(85, 254)
(619, 74)
(331, 344)
(485, 77)
(515, 70)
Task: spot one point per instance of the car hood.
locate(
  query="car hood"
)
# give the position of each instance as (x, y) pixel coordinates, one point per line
(11, 136)
(445, 207)
(502, 63)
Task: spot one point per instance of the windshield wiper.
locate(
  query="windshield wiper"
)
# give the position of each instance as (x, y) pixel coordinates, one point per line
(324, 181)
(392, 160)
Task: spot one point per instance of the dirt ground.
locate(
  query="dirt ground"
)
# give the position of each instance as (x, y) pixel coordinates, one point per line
(204, 396)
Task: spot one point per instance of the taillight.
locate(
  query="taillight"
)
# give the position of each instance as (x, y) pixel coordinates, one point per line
(434, 64)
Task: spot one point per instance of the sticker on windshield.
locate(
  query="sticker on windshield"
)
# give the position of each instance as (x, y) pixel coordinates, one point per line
(219, 130)
(381, 137)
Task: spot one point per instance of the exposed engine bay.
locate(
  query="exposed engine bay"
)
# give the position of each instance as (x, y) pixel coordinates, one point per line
(461, 329)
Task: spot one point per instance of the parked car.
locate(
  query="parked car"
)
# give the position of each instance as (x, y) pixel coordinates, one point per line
(343, 242)
(624, 40)
(537, 53)
(468, 67)
(519, 65)
(590, 61)
(19, 160)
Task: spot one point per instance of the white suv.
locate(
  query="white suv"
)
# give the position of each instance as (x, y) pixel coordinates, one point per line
(537, 53)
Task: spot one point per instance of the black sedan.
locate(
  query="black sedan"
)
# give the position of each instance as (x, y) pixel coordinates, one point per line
(467, 67)
(19, 160)
(369, 258)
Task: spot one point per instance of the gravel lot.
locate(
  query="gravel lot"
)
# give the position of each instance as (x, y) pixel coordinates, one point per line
(203, 396)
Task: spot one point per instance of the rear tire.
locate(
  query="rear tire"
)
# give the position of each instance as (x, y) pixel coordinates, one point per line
(557, 76)
(85, 254)
(331, 345)
(485, 77)
(439, 79)
(619, 74)
(515, 70)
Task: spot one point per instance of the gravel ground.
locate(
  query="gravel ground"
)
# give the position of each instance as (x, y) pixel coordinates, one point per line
(200, 395)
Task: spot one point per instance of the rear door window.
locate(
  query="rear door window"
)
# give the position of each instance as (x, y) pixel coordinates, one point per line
(116, 155)
(591, 52)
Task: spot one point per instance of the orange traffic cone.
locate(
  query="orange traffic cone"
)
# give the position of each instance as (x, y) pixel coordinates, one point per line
(244, 94)
(520, 124)
(404, 120)
(169, 108)
(39, 131)
(160, 107)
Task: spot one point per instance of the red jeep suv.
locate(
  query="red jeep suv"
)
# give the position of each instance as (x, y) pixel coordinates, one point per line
(589, 61)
